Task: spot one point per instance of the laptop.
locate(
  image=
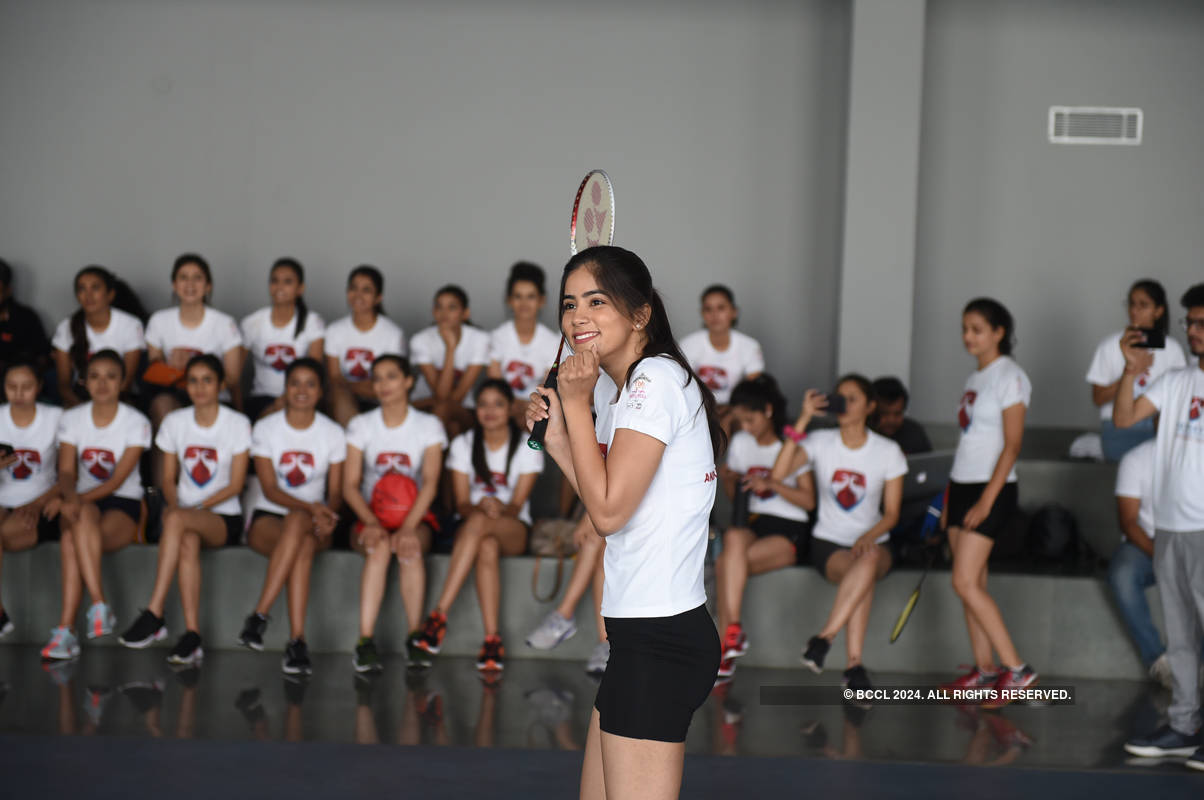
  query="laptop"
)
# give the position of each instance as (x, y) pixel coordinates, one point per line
(927, 475)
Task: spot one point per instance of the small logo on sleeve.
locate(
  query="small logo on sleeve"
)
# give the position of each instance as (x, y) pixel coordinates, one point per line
(638, 393)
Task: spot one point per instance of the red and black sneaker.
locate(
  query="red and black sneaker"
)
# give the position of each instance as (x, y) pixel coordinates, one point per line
(974, 679)
(430, 637)
(727, 668)
(735, 643)
(1011, 679)
(492, 657)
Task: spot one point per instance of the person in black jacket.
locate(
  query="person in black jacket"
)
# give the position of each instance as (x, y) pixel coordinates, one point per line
(22, 337)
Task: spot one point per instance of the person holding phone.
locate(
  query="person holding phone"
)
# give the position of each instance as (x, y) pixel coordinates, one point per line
(1160, 353)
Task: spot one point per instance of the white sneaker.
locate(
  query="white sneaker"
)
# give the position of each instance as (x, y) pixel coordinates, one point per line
(598, 658)
(1160, 671)
(101, 620)
(62, 645)
(552, 631)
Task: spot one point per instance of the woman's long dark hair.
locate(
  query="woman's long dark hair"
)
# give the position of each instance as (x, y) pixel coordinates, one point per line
(301, 310)
(997, 316)
(626, 280)
(480, 466)
(378, 281)
(1157, 293)
(757, 393)
(124, 299)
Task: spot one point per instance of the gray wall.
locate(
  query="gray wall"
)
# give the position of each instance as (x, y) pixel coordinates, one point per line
(440, 141)
(1057, 233)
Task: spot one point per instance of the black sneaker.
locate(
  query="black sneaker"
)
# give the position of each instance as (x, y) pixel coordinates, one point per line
(6, 624)
(296, 658)
(146, 630)
(856, 678)
(816, 652)
(1196, 760)
(187, 651)
(1166, 741)
(252, 631)
(418, 657)
(366, 658)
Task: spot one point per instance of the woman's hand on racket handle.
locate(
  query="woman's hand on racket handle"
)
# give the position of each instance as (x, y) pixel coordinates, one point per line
(578, 376)
(545, 404)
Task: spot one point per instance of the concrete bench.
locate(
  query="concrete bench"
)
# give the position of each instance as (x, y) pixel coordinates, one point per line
(1063, 626)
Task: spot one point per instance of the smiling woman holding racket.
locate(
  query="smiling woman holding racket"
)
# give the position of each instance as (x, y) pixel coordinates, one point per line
(646, 474)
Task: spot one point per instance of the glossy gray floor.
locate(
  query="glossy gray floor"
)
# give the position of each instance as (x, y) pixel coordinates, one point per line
(543, 705)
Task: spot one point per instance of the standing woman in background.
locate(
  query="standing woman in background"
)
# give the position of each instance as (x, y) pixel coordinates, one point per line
(721, 355)
(450, 356)
(100, 443)
(520, 348)
(202, 507)
(1147, 309)
(29, 489)
(298, 454)
(279, 334)
(982, 494)
(394, 438)
(353, 343)
(110, 317)
(646, 474)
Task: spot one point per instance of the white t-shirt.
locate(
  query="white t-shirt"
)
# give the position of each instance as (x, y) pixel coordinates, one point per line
(1108, 365)
(99, 450)
(998, 386)
(217, 334)
(722, 370)
(428, 348)
(525, 462)
(301, 458)
(356, 349)
(653, 565)
(849, 483)
(206, 455)
(523, 365)
(1135, 478)
(123, 334)
(398, 449)
(37, 449)
(1179, 461)
(747, 457)
(273, 349)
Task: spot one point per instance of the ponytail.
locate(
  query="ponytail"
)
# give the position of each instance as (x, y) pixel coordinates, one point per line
(301, 310)
(480, 465)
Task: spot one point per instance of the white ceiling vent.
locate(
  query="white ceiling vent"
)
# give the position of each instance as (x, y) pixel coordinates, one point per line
(1092, 125)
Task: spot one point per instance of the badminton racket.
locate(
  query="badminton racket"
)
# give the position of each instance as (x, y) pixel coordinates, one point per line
(592, 224)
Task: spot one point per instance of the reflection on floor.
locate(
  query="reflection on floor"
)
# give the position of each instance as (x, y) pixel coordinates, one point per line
(540, 704)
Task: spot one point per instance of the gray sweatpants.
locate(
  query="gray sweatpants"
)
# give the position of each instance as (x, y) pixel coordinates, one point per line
(1179, 568)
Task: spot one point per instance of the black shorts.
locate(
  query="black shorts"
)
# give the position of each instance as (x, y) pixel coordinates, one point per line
(963, 496)
(340, 537)
(48, 529)
(131, 508)
(822, 550)
(796, 531)
(661, 669)
(234, 528)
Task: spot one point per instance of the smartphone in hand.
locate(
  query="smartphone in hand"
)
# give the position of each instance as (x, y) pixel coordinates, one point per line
(836, 404)
(1155, 339)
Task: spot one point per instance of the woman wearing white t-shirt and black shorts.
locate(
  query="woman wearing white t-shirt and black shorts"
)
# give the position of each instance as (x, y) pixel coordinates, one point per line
(646, 474)
(205, 457)
(353, 343)
(721, 355)
(858, 478)
(982, 493)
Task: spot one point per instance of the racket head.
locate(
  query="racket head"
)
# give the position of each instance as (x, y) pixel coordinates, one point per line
(905, 615)
(593, 221)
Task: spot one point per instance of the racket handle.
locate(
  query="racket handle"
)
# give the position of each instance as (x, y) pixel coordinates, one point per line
(540, 430)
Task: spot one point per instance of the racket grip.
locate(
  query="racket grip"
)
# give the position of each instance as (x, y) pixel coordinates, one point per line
(540, 429)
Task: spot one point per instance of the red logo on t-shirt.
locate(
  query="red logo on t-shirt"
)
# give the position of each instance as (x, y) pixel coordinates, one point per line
(498, 480)
(519, 374)
(28, 462)
(713, 377)
(965, 411)
(848, 487)
(761, 472)
(393, 462)
(1197, 407)
(279, 356)
(296, 466)
(359, 362)
(602, 446)
(201, 463)
(98, 462)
